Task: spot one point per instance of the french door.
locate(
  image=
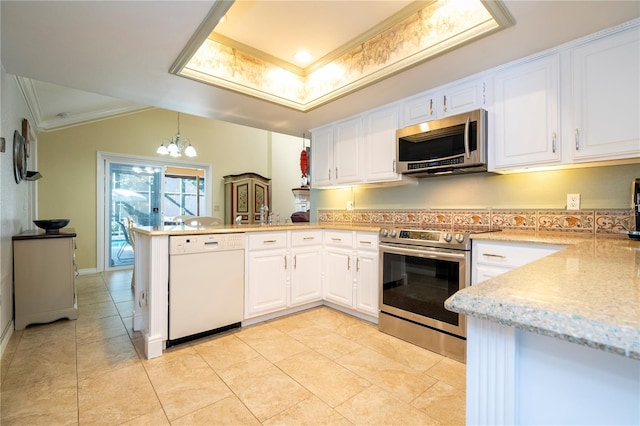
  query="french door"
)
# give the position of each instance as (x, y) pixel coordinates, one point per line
(146, 192)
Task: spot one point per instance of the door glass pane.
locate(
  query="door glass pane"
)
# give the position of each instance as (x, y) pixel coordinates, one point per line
(183, 196)
(134, 196)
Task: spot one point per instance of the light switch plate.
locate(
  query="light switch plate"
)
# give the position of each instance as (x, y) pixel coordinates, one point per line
(573, 201)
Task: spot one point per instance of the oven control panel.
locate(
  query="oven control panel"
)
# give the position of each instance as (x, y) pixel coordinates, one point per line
(458, 240)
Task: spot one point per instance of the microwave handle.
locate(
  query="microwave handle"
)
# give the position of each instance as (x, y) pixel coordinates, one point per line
(466, 137)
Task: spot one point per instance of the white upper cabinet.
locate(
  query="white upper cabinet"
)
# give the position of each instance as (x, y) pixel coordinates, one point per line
(578, 103)
(347, 151)
(380, 129)
(322, 173)
(419, 109)
(526, 114)
(448, 100)
(462, 97)
(337, 154)
(358, 150)
(605, 98)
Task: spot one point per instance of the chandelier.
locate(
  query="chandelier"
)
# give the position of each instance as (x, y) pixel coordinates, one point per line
(177, 145)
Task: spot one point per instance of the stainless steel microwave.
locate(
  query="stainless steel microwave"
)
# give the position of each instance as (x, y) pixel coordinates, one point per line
(455, 144)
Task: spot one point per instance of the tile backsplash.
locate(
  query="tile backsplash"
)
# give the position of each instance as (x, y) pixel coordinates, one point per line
(582, 221)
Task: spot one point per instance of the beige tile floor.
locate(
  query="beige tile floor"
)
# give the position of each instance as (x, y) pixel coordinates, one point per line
(316, 367)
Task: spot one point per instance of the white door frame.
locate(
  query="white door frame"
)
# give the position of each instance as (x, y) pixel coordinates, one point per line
(105, 158)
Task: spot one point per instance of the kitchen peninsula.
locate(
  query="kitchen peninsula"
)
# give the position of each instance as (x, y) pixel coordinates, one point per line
(557, 340)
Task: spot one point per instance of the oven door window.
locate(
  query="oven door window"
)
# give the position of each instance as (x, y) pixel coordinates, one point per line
(420, 285)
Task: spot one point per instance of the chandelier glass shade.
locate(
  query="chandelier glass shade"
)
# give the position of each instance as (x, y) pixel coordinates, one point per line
(177, 145)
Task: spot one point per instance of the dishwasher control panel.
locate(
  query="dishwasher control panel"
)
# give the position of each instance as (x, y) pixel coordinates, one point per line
(184, 244)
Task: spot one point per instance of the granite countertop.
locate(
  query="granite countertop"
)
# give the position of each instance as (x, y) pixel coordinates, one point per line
(587, 293)
(227, 229)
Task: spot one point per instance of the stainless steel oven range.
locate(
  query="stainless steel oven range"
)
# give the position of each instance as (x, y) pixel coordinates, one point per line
(419, 270)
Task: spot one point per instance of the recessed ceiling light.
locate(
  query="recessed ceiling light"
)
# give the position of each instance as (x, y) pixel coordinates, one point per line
(303, 57)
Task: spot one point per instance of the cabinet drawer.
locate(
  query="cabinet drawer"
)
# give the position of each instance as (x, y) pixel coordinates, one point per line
(366, 241)
(306, 238)
(267, 240)
(338, 239)
(510, 255)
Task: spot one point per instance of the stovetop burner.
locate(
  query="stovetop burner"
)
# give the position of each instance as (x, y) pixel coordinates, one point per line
(456, 240)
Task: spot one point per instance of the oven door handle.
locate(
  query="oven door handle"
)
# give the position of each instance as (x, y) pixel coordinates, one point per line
(423, 252)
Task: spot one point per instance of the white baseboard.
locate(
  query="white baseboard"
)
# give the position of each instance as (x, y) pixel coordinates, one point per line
(5, 337)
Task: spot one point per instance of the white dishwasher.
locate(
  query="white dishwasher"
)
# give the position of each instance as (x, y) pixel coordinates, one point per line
(206, 285)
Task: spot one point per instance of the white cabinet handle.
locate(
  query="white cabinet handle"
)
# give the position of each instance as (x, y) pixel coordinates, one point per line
(336, 240)
(365, 243)
(357, 264)
(268, 241)
(553, 142)
(309, 238)
(295, 261)
(285, 262)
(431, 106)
(577, 140)
(445, 104)
(348, 263)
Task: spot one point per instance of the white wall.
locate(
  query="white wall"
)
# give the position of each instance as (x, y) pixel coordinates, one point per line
(285, 173)
(16, 200)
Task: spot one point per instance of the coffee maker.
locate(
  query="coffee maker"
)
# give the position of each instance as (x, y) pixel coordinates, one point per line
(636, 209)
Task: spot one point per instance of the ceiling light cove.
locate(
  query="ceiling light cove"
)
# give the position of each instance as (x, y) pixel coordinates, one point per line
(410, 39)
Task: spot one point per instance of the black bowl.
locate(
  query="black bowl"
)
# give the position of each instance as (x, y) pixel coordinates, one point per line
(51, 225)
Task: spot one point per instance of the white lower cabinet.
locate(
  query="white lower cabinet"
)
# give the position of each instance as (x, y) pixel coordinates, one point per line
(367, 273)
(266, 273)
(351, 270)
(287, 269)
(338, 278)
(306, 267)
(492, 258)
(284, 269)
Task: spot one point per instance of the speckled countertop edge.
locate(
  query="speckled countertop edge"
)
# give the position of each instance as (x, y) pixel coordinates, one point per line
(587, 293)
(227, 229)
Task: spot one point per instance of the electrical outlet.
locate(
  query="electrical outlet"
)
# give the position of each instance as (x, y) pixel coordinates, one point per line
(573, 201)
(349, 205)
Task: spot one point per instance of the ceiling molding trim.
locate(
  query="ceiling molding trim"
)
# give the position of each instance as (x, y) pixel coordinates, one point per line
(429, 32)
(212, 19)
(92, 117)
(31, 99)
